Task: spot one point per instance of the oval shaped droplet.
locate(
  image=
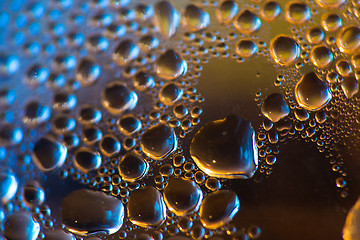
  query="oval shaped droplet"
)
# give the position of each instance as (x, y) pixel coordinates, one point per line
(170, 65)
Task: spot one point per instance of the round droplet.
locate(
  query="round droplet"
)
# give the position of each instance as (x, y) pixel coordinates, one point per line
(284, 50)
(88, 72)
(226, 148)
(36, 113)
(64, 101)
(270, 10)
(350, 86)
(343, 68)
(148, 43)
(10, 135)
(87, 212)
(348, 39)
(21, 225)
(132, 167)
(8, 185)
(297, 12)
(218, 208)
(330, 3)
(146, 207)
(331, 22)
(158, 141)
(98, 43)
(321, 56)
(89, 115)
(7, 97)
(170, 65)
(91, 135)
(226, 11)
(49, 153)
(143, 81)
(33, 193)
(9, 65)
(170, 93)
(109, 145)
(275, 107)
(37, 75)
(129, 125)
(87, 160)
(247, 22)
(166, 19)
(195, 19)
(311, 93)
(117, 98)
(182, 196)
(125, 52)
(315, 35)
(246, 48)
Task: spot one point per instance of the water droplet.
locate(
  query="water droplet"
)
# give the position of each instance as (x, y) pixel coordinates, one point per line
(49, 153)
(246, 48)
(128, 125)
(132, 167)
(10, 135)
(330, 3)
(227, 11)
(170, 65)
(351, 230)
(274, 107)
(158, 141)
(218, 208)
(87, 160)
(321, 56)
(37, 75)
(88, 72)
(270, 10)
(182, 196)
(311, 93)
(297, 12)
(58, 235)
(331, 22)
(125, 52)
(109, 145)
(284, 50)
(148, 43)
(247, 22)
(89, 115)
(226, 148)
(350, 86)
(195, 19)
(117, 98)
(146, 207)
(64, 101)
(20, 225)
(8, 185)
(36, 113)
(33, 193)
(170, 93)
(348, 39)
(9, 65)
(166, 19)
(86, 212)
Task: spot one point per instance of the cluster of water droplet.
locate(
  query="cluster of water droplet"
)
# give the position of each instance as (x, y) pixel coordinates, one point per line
(104, 93)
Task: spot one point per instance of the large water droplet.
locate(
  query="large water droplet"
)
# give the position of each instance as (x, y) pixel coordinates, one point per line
(227, 11)
(297, 12)
(33, 193)
(226, 148)
(247, 22)
(86, 212)
(21, 225)
(117, 98)
(146, 207)
(348, 39)
(321, 56)
(274, 107)
(182, 196)
(166, 19)
(132, 167)
(58, 235)
(87, 159)
(49, 153)
(125, 52)
(330, 3)
(218, 208)
(128, 125)
(8, 185)
(36, 113)
(170, 93)
(10, 135)
(311, 93)
(170, 65)
(270, 10)
(88, 72)
(284, 50)
(350, 86)
(158, 141)
(195, 19)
